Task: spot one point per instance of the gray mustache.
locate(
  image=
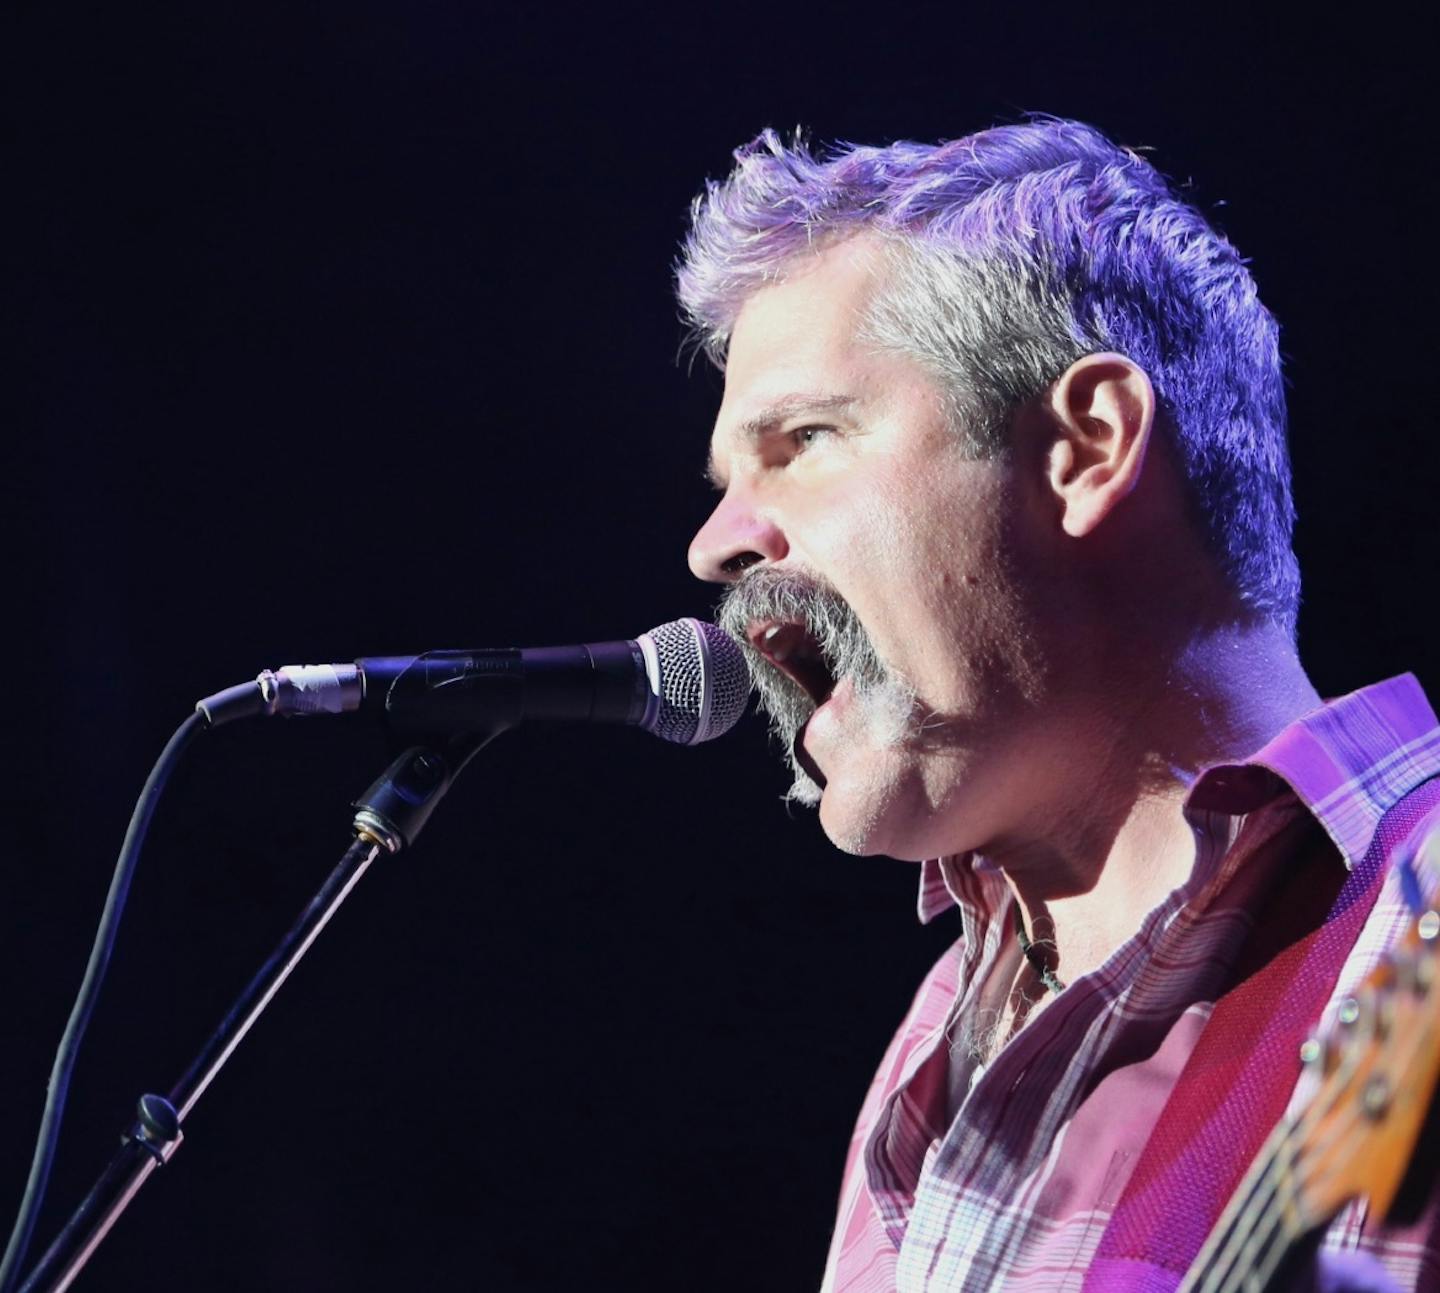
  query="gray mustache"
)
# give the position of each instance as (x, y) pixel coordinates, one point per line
(828, 618)
(767, 594)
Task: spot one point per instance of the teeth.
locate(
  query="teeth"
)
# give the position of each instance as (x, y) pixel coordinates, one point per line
(779, 644)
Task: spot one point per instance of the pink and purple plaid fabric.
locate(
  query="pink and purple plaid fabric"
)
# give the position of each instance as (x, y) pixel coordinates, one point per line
(963, 1176)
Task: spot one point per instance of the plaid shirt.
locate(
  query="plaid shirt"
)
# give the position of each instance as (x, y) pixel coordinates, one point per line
(963, 1176)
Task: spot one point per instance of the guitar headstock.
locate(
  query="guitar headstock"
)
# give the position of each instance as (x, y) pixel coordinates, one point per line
(1378, 1070)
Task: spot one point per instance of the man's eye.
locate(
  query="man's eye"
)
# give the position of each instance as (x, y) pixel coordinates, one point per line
(804, 437)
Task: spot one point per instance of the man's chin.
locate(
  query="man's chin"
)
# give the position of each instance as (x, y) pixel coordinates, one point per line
(857, 836)
(871, 812)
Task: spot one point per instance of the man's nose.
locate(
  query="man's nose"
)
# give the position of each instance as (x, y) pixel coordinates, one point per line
(737, 536)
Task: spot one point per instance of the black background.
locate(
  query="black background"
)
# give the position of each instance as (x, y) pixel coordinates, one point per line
(348, 330)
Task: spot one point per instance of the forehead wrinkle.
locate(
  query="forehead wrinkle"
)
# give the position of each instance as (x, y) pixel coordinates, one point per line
(772, 415)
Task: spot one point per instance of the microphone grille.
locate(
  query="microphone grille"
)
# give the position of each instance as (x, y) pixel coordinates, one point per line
(702, 681)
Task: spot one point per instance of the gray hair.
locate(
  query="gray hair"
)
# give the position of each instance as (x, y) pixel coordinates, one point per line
(1010, 254)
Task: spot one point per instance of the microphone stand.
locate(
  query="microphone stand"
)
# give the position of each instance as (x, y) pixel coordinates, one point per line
(389, 815)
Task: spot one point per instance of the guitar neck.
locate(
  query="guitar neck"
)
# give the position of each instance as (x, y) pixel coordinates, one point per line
(1261, 1227)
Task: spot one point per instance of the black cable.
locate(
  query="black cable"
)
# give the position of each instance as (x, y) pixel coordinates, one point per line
(89, 991)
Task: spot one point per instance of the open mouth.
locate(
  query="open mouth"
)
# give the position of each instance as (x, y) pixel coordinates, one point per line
(790, 647)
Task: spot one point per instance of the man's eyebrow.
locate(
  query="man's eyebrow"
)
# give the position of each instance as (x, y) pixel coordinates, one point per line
(772, 415)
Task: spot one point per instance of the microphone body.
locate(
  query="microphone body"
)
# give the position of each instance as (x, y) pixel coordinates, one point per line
(600, 682)
(685, 681)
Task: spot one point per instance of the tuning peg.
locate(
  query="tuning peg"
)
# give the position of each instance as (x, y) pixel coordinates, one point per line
(1427, 930)
(1375, 1096)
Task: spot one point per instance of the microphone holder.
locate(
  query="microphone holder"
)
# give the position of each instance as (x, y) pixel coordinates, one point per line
(388, 817)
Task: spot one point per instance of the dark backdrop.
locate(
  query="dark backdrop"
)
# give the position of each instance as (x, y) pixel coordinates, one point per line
(348, 329)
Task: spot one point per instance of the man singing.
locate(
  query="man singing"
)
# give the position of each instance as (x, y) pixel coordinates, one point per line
(1005, 524)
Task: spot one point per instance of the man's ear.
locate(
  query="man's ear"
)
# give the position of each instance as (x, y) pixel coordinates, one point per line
(1103, 411)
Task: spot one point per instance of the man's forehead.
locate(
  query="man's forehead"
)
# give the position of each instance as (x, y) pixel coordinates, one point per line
(819, 298)
(798, 349)
(795, 348)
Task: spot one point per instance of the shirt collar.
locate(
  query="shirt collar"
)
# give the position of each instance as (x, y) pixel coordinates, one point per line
(1347, 762)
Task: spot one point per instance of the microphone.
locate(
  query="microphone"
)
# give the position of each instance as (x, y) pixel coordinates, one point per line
(685, 681)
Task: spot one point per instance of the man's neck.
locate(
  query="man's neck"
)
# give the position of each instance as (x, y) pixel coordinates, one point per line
(1114, 841)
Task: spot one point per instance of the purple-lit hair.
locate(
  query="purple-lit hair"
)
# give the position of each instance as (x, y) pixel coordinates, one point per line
(1010, 254)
